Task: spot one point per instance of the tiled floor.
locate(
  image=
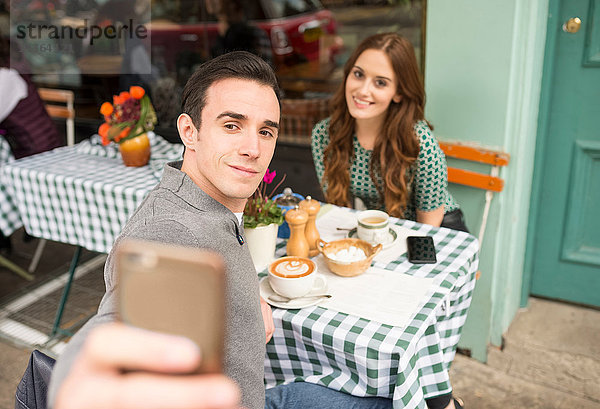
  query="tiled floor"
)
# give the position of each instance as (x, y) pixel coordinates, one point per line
(29, 319)
(28, 309)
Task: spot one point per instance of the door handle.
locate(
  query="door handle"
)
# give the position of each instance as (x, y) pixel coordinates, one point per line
(572, 25)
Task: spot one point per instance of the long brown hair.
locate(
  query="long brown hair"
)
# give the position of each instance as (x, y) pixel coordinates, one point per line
(396, 147)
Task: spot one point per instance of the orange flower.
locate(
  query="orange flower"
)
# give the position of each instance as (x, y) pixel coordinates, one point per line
(117, 100)
(103, 130)
(106, 109)
(123, 134)
(124, 96)
(137, 92)
(105, 140)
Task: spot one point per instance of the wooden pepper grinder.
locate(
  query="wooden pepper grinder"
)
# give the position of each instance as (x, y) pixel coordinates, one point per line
(311, 207)
(297, 244)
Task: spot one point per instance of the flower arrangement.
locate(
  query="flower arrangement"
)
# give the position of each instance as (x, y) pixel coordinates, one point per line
(260, 210)
(131, 114)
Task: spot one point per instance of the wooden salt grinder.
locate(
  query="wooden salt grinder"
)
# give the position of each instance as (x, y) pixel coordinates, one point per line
(297, 244)
(311, 207)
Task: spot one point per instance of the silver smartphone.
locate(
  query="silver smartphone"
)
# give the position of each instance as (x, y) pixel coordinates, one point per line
(176, 290)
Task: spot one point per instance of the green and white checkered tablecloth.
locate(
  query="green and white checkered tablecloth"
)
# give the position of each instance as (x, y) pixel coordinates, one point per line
(9, 214)
(366, 358)
(83, 194)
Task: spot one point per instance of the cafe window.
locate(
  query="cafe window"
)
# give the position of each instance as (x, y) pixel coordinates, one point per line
(306, 41)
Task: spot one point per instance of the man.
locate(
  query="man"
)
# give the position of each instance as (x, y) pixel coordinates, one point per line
(229, 128)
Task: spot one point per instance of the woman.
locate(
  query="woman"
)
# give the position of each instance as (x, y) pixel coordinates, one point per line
(377, 145)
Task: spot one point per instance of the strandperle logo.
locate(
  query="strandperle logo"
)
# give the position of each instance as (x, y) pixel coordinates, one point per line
(37, 31)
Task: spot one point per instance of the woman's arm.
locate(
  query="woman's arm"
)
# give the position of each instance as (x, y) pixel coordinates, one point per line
(433, 217)
(431, 178)
(319, 141)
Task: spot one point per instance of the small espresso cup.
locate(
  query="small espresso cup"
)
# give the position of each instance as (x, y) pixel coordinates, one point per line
(373, 226)
(292, 276)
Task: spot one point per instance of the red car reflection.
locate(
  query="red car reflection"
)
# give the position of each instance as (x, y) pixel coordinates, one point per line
(298, 31)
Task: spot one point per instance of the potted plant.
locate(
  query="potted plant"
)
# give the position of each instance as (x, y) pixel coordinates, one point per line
(126, 122)
(262, 218)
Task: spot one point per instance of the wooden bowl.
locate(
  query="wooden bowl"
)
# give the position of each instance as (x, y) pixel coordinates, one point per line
(348, 269)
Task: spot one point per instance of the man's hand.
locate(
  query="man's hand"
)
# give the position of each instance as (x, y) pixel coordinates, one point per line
(267, 318)
(98, 378)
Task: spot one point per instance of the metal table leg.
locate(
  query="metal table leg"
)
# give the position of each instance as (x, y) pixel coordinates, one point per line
(65, 294)
(15, 268)
(37, 255)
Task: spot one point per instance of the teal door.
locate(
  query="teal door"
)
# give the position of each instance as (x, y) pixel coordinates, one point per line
(566, 241)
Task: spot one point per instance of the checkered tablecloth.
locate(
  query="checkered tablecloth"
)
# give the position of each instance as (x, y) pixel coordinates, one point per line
(366, 358)
(83, 194)
(9, 214)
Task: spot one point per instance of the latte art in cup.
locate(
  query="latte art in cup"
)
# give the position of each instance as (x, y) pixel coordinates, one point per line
(292, 268)
(292, 276)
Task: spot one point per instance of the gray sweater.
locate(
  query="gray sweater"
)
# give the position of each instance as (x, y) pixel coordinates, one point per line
(177, 211)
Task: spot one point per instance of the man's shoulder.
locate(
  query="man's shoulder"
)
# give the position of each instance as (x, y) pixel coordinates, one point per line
(179, 225)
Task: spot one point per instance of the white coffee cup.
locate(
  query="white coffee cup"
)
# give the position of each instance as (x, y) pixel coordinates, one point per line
(293, 276)
(373, 226)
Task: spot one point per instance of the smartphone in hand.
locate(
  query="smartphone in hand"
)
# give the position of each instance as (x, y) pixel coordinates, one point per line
(176, 290)
(421, 250)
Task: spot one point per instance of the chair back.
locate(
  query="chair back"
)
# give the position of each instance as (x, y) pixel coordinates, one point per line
(298, 116)
(490, 183)
(59, 104)
(475, 154)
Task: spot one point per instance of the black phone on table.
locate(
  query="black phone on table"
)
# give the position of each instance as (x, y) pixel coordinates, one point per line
(421, 250)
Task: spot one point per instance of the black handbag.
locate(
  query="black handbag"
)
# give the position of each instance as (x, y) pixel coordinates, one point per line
(33, 388)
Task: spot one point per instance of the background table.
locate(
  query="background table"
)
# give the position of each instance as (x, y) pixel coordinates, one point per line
(81, 195)
(365, 358)
(9, 214)
(9, 217)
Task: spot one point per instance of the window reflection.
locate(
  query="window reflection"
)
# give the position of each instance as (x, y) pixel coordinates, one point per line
(307, 42)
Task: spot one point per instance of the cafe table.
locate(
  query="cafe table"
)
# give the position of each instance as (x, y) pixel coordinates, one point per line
(81, 195)
(9, 217)
(364, 357)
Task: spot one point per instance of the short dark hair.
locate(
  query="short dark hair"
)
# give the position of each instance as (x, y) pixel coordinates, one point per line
(236, 65)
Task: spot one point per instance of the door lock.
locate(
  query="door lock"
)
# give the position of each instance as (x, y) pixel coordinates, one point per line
(572, 25)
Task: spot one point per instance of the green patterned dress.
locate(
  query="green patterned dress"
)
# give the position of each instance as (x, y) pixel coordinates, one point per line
(430, 183)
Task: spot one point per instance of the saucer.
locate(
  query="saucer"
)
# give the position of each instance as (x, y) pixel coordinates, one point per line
(391, 238)
(301, 302)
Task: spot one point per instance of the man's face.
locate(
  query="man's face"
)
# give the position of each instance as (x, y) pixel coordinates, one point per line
(235, 142)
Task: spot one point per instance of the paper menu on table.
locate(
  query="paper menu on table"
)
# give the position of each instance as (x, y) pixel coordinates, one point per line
(332, 217)
(384, 296)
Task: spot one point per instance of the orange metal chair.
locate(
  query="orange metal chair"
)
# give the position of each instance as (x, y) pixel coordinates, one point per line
(63, 110)
(490, 183)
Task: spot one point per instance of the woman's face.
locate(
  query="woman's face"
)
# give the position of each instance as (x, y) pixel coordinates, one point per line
(371, 86)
